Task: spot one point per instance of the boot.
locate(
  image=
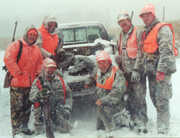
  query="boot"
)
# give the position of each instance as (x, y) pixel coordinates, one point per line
(141, 130)
(39, 129)
(25, 130)
(18, 136)
(163, 131)
(99, 125)
(64, 127)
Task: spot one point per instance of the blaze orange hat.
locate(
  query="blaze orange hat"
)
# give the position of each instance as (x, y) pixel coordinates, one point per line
(149, 8)
(103, 56)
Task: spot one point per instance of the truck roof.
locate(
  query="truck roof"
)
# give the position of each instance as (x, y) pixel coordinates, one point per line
(79, 24)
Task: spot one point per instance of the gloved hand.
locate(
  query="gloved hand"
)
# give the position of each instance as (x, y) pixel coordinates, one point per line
(67, 113)
(43, 94)
(118, 60)
(125, 97)
(135, 76)
(160, 76)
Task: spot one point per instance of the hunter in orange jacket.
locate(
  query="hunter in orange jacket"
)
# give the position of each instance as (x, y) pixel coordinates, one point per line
(159, 63)
(109, 81)
(24, 72)
(49, 39)
(110, 90)
(150, 43)
(29, 65)
(127, 59)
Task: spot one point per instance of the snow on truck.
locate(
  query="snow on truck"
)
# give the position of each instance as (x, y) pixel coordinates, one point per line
(82, 40)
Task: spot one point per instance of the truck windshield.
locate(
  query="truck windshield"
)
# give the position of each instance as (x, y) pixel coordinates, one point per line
(81, 34)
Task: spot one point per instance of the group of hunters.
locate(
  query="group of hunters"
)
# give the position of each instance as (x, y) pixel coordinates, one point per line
(141, 56)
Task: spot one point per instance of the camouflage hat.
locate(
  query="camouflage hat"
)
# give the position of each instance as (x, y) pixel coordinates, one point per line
(123, 16)
(49, 63)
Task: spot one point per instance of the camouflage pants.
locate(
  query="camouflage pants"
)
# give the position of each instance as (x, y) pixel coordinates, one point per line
(111, 117)
(59, 121)
(38, 120)
(137, 102)
(20, 108)
(160, 93)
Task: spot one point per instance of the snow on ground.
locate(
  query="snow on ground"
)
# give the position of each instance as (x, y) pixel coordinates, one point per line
(85, 125)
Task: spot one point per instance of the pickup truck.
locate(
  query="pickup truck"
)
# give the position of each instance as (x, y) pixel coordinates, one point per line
(79, 38)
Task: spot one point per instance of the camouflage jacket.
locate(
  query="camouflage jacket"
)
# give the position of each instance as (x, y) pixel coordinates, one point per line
(128, 64)
(163, 60)
(115, 95)
(56, 91)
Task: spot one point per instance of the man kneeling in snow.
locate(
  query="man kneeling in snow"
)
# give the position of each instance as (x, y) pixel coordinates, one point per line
(50, 85)
(111, 87)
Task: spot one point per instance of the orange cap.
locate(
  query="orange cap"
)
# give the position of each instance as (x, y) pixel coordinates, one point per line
(149, 8)
(103, 56)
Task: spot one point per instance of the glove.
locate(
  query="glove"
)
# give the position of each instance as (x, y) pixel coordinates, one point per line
(118, 60)
(125, 97)
(135, 76)
(160, 76)
(67, 113)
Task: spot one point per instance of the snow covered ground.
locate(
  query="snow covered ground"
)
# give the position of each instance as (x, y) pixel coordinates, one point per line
(85, 127)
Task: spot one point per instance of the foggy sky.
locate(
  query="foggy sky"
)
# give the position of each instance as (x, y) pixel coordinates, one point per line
(28, 12)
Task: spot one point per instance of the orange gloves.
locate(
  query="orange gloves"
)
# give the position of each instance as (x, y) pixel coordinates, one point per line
(160, 76)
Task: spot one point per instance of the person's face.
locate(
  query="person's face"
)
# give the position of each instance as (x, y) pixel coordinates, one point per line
(32, 36)
(50, 73)
(51, 27)
(125, 25)
(147, 18)
(103, 65)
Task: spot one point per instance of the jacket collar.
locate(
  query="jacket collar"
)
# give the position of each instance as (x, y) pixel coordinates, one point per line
(130, 31)
(45, 30)
(150, 27)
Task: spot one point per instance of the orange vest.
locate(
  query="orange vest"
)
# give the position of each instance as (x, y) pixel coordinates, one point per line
(131, 46)
(150, 44)
(109, 81)
(49, 41)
